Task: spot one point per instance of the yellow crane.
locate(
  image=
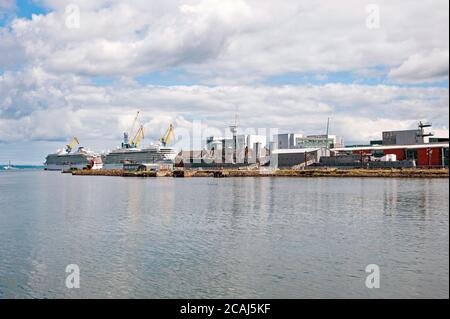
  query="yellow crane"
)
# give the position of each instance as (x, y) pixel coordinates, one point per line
(137, 138)
(165, 138)
(131, 131)
(70, 146)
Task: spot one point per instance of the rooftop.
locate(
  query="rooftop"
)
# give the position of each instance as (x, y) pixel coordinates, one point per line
(391, 147)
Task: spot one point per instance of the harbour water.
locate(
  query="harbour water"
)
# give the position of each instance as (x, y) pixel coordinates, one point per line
(222, 238)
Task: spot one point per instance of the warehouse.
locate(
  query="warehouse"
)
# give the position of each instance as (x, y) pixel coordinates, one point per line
(287, 158)
(424, 155)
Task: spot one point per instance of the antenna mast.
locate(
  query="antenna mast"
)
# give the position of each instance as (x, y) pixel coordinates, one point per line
(422, 133)
(233, 129)
(328, 130)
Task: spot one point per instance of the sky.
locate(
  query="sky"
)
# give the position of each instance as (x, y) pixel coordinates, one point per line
(83, 68)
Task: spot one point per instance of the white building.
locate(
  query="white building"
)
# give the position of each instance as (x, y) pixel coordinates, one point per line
(252, 139)
(285, 141)
(330, 141)
(296, 140)
(216, 142)
(242, 141)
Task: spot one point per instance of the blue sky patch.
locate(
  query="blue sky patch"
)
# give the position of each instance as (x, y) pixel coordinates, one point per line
(26, 8)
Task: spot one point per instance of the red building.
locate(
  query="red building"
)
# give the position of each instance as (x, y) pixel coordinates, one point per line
(399, 153)
(425, 155)
(430, 157)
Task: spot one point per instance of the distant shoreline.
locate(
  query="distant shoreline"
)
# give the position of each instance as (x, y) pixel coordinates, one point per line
(398, 173)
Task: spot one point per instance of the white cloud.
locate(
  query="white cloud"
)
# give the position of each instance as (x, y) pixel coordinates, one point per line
(236, 39)
(130, 39)
(229, 48)
(10, 50)
(35, 105)
(418, 68)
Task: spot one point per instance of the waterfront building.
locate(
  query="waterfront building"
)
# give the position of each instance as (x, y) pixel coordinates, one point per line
(301, 157)
(319, 141)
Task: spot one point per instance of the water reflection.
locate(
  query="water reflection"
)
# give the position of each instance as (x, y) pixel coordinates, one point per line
(231, 237)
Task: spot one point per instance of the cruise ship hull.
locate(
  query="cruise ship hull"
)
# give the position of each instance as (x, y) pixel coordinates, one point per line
(64, 167)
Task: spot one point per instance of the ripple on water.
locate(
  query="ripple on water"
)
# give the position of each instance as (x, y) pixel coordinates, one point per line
(237, 237)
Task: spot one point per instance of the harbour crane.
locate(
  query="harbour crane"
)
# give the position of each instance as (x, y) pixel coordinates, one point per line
(165, 138)
(137, 138)
(131, 131)
(70, 146)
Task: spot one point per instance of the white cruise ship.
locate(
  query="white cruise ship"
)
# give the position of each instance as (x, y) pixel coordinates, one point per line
(152, 154)
(67, 159)
(131, 153)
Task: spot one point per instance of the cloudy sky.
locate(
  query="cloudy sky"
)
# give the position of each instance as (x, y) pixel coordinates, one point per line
(84, 67)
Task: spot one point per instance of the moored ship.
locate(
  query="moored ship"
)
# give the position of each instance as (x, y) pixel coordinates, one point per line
(67, 159)
(130, 153)
(154, 154)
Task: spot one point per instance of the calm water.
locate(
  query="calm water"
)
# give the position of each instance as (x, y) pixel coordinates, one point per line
(232, 238)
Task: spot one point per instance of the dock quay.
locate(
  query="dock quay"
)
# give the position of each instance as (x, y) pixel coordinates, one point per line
(397, 173)
(114, 172)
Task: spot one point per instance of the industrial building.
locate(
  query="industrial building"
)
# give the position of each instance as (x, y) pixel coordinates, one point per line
(396, 149)
(297, 140)
(300, 157)
(406, 137)
(238, 149)
(242, 141)
(424, 155)
(285, 141)
(407, 146)
(296, 150)
(319, 141)
(402, 137)
(224, 158)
